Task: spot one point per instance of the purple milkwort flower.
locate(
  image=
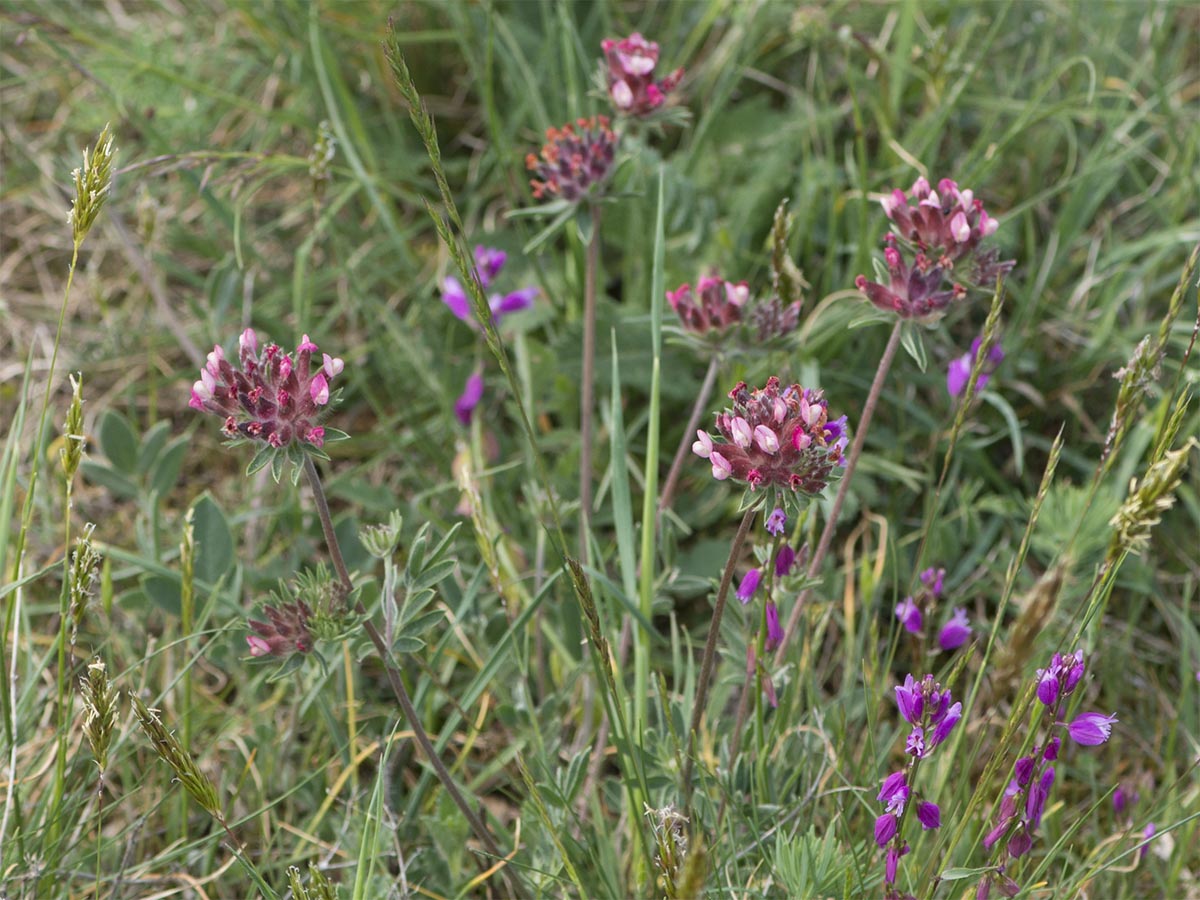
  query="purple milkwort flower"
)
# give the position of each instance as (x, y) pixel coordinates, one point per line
(959, 369)
(956, 632)
(716, 305)
(910, 616)
(1147, 832)
(270, 396)
(1123, 799)
(470, 397)
(885, 830)
(774, 629)
(285, 632)
(748, 585)
(929, 815)
(785, 558)
(575, 160)
(776, 437)
(1091, 728)
(776, 521)
(631, 85)
(933, 579)
(488, 263)
(925, 706)
(1060, 677)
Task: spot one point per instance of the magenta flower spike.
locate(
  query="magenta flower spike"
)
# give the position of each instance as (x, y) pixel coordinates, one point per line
(574, 162)
(270, 396)
(776, 437)
(631, 68)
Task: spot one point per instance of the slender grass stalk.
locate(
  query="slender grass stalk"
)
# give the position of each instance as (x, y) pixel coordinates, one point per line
(860, 436)
(512, 881)
(587, 387)
(685, 443)
(710, 651)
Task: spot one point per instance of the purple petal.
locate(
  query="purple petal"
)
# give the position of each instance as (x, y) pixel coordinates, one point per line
(929, 815)
(470, 397)
(1091, 728)
(514, 302)
(455, 298)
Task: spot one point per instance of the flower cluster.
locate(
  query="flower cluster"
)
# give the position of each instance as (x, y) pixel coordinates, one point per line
(716, 304)
(928, 708)
(1024, 801)
(574, 160)
(959, 370)
(911, 612)
(286, 631)
(776, 437)
(631, 85)
(271, 396)
(940, 230)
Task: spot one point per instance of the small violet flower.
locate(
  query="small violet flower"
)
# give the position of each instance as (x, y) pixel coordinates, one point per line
(774, 629)
(574, 162)
(959, 370)
(1091, 729)
(470, 397)
(270, 396)
(776, 437)
(488, 263)
(776, 521)
(785, 558)
(748, 585)
(956, 632)
(910, 616)
(631, 85)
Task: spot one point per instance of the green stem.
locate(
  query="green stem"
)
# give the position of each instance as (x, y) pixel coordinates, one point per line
(860, 435)
(710, 650)
(513, 882)
(588, 387)
(60, 766)
(702, 398)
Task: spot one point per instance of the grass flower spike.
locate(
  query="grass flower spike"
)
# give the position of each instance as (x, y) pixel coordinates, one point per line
(959, 369)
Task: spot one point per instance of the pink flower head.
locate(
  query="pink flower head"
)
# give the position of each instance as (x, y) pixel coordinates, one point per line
(575, 160)
(714, 307)
(631, 85)
(765, 450)
(285, 632)
(945, 225)
(917, 291)
(269, 395)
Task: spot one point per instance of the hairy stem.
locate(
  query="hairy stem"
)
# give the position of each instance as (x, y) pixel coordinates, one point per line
(860, 436)
(587, 388)
(710, 650)
(397, 683)
(702, 398)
